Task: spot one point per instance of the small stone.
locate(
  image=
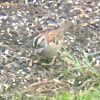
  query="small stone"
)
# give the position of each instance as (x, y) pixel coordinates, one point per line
(99, 4)
(70, 1)
(3, 16)
(1, 88)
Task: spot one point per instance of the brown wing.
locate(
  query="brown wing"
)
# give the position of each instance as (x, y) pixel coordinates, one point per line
(57, 33)
(52, 35)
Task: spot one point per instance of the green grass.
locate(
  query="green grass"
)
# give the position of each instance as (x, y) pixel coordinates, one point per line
(86, 68)
(20, 96)
(68, 58)
(86, 95)
(63, 96)
(91, 95)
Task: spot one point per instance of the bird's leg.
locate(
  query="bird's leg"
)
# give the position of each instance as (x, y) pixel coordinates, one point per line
(36, 59)
(51, 63)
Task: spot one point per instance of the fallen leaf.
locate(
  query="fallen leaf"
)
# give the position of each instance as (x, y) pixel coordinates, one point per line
(30, 63)
(82, 13)
(84, 24)
(5, 3)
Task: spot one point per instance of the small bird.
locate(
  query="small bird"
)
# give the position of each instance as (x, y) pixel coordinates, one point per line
(46, 44)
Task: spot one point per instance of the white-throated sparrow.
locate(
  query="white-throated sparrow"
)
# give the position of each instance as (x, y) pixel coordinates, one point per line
(46, 44)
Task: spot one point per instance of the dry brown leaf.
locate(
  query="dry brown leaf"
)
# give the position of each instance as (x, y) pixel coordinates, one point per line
(5, 3)
(82, 13)
(30, 63)
(84, 24)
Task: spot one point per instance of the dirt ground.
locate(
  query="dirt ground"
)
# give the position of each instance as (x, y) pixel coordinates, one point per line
(20, 22)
